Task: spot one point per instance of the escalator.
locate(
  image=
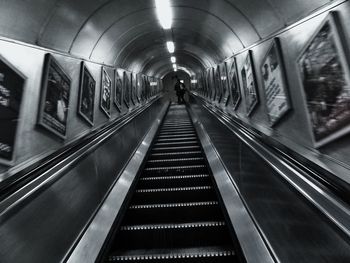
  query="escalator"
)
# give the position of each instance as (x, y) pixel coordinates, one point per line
(174, 214)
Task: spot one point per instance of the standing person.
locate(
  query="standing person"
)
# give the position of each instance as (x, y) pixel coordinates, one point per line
(178, 90)
(182, 92)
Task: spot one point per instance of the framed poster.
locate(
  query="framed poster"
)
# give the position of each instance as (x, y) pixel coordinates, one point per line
(234, 83)
(224, 83)
(118, 90)
(126, 89)
(217, 81)
(54, 102)
(11, 91)
(132, 88)
(274, 83)
(324, 69)
(249, 84)
(86, 105)
(106, 93)
(139, 87)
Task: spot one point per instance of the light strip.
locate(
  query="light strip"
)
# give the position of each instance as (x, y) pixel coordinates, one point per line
(171, 46)
(164, 13)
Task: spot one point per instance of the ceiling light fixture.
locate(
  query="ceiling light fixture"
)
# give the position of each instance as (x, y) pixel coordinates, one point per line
(164, 13)
(173, 59)
(171, 46)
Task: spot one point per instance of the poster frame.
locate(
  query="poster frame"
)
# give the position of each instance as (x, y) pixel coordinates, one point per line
(85, 70)
(276, 44)
(48, 61)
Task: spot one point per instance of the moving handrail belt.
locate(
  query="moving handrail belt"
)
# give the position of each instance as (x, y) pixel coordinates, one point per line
(41, 176)
(323, 199)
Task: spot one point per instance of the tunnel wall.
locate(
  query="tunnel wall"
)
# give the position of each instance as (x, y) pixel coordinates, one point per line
(294, 130)
(33, 143)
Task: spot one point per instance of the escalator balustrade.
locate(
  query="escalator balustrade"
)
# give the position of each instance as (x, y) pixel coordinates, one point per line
(174, 214)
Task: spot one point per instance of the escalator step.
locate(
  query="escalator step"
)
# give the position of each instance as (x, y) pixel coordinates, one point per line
(190, 134)
(193, 154)
(174, 181)
(173, 195)
(175, 170)
(172, 235)
(192, 138)
(188, 255)
(167, 133)
(174, 162)
(175, 149)
(174, 213)
(167, 144)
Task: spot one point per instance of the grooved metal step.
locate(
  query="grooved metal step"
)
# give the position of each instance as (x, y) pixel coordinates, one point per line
(175, 170)
(173, 195)
(169, 155)
(177, 139)
(166, 144)
(174, 181)
(172, 235)
(175, 162)
(166, 133)
(174, 213)
(193, 255)
(178, 135)
(175, 148)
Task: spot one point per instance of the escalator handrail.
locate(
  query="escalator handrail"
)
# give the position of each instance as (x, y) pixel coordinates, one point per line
(22, 186)
(298, 176)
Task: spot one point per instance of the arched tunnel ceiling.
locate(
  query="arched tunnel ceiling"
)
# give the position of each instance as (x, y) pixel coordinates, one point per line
(126, 33)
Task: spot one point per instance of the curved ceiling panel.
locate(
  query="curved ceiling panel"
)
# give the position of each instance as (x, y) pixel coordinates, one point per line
(136, 62)
(66, 21)
(122, 40)
(127, 33)
(23, 20)
(297, 9)
(163, 61)
(137, 47)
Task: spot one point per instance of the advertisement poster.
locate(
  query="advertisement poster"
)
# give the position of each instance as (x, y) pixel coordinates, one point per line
(139, 87)
(324, 70)
(11, 90)
(86, 104)
(55, 93)
(224, 84)
(272, 71)
(234, 83)
(217, 84)
(118, 92)
(126, 89)
(132, 88)
(106, 93)
(249, 84)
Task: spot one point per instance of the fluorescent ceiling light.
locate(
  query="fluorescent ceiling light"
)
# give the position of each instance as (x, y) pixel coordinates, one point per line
(175, 69)
(171, 47)
(164, 13)
(173, 59)
(174, 66)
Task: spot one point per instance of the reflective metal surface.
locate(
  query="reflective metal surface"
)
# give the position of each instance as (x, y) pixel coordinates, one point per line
(46, 228)
(252, 243)
(296, 230)
(89, 246)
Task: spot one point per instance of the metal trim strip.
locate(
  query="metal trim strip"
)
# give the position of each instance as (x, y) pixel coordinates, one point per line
(92, 241)
(251, 241)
